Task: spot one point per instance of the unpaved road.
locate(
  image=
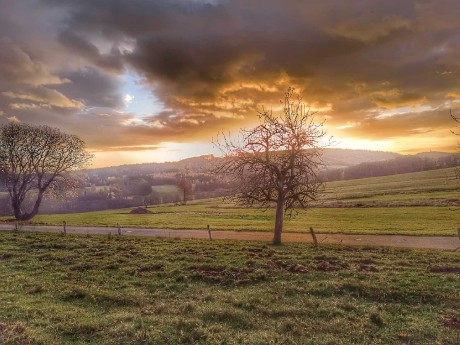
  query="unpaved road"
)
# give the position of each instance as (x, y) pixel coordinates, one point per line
(436, 242)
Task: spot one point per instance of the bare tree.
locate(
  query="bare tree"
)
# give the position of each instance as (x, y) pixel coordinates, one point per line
(143, 189)
(37, 160)
(185, 185)
(275, 164)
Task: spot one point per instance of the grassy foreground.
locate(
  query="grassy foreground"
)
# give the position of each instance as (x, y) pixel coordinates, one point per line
(70, 289)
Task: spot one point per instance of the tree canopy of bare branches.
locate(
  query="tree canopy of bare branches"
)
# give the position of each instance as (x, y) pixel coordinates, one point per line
(276, 163)
(185, 185)
(37, 160)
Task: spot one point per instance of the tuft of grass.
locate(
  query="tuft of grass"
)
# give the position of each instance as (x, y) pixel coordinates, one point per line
(16, 333)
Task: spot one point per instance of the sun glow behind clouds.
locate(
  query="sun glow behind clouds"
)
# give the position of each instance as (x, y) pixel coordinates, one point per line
(138, 97)
(403, 110)
(166, 152)
(362, 144)
(128, 98)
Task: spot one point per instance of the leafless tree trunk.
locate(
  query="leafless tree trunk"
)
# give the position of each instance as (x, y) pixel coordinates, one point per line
(35, 161)
(279, 218)
(276, 163)
(186, 187)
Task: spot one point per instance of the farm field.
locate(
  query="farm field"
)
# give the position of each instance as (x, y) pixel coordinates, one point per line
(382, 205)
(165, 189)
(388, 220)
(74, 289)
(428, 185)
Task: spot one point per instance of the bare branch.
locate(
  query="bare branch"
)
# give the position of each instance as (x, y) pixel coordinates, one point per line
(277, 161)
(37, 160)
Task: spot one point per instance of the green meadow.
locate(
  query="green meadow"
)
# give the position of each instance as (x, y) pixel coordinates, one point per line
(107, 290)
(382, 205)
(441, 221)
(438, 184)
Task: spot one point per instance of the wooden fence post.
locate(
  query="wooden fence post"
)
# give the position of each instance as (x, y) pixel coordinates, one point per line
(313, 235)
(119, 228)
(64, 225)
(209, 233)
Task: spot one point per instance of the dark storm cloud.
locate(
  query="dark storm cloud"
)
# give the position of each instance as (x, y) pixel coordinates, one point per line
(78, 45)
(43, 81)
(213, 63)
(96, 87)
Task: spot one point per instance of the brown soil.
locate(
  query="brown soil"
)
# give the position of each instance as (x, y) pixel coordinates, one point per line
(451, 321)
(444, 269)
(140, 210)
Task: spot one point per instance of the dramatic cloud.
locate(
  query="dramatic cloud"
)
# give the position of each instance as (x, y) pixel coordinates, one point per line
(376, 69)
(44, 97)
(18, 67)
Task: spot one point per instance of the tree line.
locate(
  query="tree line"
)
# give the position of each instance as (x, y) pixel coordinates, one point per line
(398, 165)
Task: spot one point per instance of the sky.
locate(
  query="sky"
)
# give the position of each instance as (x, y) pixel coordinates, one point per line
(156, 80)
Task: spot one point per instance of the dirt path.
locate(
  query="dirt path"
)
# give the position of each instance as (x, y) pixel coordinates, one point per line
(437, 242)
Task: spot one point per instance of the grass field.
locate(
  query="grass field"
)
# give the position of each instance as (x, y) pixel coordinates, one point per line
(390, 196)
(402, 220)
(74, 289)
(167, 191)
(433, 184)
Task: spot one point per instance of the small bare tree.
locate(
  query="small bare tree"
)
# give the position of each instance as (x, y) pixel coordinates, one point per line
(143, 189)
(36, 160)
(185, 185)
(275, 164)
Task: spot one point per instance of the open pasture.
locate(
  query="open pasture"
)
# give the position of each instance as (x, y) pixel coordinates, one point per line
(387, 220)
(386, 217)
(427, 185)
(77, 289)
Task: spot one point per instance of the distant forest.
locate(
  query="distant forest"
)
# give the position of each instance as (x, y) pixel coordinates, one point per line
(398, 165)
(156, 183)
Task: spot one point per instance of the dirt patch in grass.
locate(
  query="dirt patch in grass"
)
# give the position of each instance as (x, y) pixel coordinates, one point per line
(367, 268)
(451, 321)
(287, 266)
(188, 251)
(223, 275)
(5, 256)
(444, 269)
(327, 266)
(259, 253)
(16, 333)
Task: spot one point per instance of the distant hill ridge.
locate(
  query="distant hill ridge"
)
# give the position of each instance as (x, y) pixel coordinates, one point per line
(332, 157)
